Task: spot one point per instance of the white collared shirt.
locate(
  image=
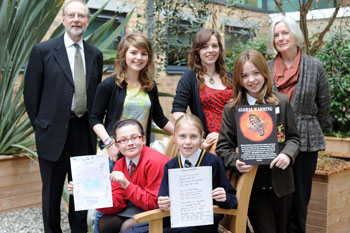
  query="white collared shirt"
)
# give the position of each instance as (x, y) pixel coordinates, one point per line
(251, 101)
(193, 158)
(68, 43)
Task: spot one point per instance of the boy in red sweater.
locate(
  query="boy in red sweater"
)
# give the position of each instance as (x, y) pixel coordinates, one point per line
(136, 178)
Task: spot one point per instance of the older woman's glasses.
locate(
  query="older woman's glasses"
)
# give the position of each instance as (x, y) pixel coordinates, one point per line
(126, 140)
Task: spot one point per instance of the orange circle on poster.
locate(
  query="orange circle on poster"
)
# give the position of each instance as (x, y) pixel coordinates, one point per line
(256, 125)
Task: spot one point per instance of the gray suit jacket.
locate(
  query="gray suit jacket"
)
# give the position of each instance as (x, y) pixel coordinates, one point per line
(310, 102)
(282, 180)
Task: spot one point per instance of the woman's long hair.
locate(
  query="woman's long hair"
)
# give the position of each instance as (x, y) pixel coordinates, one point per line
(141, 42)
(239, 92)
(194, 60)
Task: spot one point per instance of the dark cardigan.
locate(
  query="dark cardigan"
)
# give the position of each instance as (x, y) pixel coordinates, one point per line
(109, 102)
(187, 94)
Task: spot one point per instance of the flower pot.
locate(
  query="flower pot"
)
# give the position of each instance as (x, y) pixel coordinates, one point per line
(338, 147)
(328, 210)
(20, 183)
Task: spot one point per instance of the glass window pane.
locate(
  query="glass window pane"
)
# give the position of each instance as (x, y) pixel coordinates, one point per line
(293, 5)
(251, 3)
(234, 35)
(322, 4)
(180, 43)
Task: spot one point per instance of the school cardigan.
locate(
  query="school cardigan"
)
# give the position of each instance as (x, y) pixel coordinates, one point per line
(109, 101)
(310, 102)
(144, 182)
(187, 94)
(219, 180)
(281, 181)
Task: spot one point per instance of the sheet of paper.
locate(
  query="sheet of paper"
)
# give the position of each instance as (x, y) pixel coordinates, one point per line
(190, 196)
(92, 186)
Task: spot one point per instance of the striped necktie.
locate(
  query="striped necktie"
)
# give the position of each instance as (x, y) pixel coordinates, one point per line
(131, 167)
(188, 163)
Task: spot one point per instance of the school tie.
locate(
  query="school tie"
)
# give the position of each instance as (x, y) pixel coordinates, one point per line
(188, 163)
(131, 167)
(79, 83)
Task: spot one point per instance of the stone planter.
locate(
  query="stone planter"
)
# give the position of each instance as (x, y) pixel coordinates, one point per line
(20, 183)
(338, 147)
(328, 210)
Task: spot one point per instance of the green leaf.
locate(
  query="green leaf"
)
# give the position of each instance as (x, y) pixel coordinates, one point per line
(159, 131)
(96, 36)
(116, 32)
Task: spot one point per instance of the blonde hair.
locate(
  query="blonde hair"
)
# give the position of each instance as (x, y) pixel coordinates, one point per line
(195, 62)
(189, 118)
(293, 29)
(140, 42)
(239, 92)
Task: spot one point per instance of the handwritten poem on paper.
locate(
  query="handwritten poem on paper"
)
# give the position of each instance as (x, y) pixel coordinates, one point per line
(190, 191)
(92, 186)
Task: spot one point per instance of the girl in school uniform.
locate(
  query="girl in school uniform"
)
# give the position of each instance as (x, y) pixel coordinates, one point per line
(188, 137)
(274, 185)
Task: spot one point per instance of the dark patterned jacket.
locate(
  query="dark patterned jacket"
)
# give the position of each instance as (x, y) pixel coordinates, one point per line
(310, 102)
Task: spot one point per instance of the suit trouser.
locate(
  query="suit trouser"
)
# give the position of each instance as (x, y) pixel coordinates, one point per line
(304, 169)
(53, 174)
(267, 212)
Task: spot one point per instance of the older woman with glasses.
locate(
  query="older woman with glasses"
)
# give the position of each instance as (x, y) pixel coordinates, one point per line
(302, 78)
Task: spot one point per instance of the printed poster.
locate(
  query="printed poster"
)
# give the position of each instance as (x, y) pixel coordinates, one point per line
(256, 133)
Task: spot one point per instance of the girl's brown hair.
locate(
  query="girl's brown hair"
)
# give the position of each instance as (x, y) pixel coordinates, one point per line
(239, 92)
(194, 60)
(140, 42)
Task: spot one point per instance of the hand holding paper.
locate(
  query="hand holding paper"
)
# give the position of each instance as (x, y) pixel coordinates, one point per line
(70, 187)
(163, 202)
(242, 167)
(219, 194)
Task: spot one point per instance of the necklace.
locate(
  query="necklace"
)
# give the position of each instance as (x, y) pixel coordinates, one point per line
(211, 79)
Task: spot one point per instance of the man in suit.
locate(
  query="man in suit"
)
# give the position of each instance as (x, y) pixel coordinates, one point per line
(59, 89)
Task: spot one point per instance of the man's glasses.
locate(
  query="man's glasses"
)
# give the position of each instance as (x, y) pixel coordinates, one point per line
(72, 16)
(126, 140)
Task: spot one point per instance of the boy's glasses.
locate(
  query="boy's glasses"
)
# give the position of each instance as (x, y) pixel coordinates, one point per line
(126, 140)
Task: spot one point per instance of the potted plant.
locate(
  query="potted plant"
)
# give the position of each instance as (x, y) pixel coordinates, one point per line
(335, 56)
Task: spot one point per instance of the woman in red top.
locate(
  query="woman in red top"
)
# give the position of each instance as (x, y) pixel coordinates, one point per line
(206, 87)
